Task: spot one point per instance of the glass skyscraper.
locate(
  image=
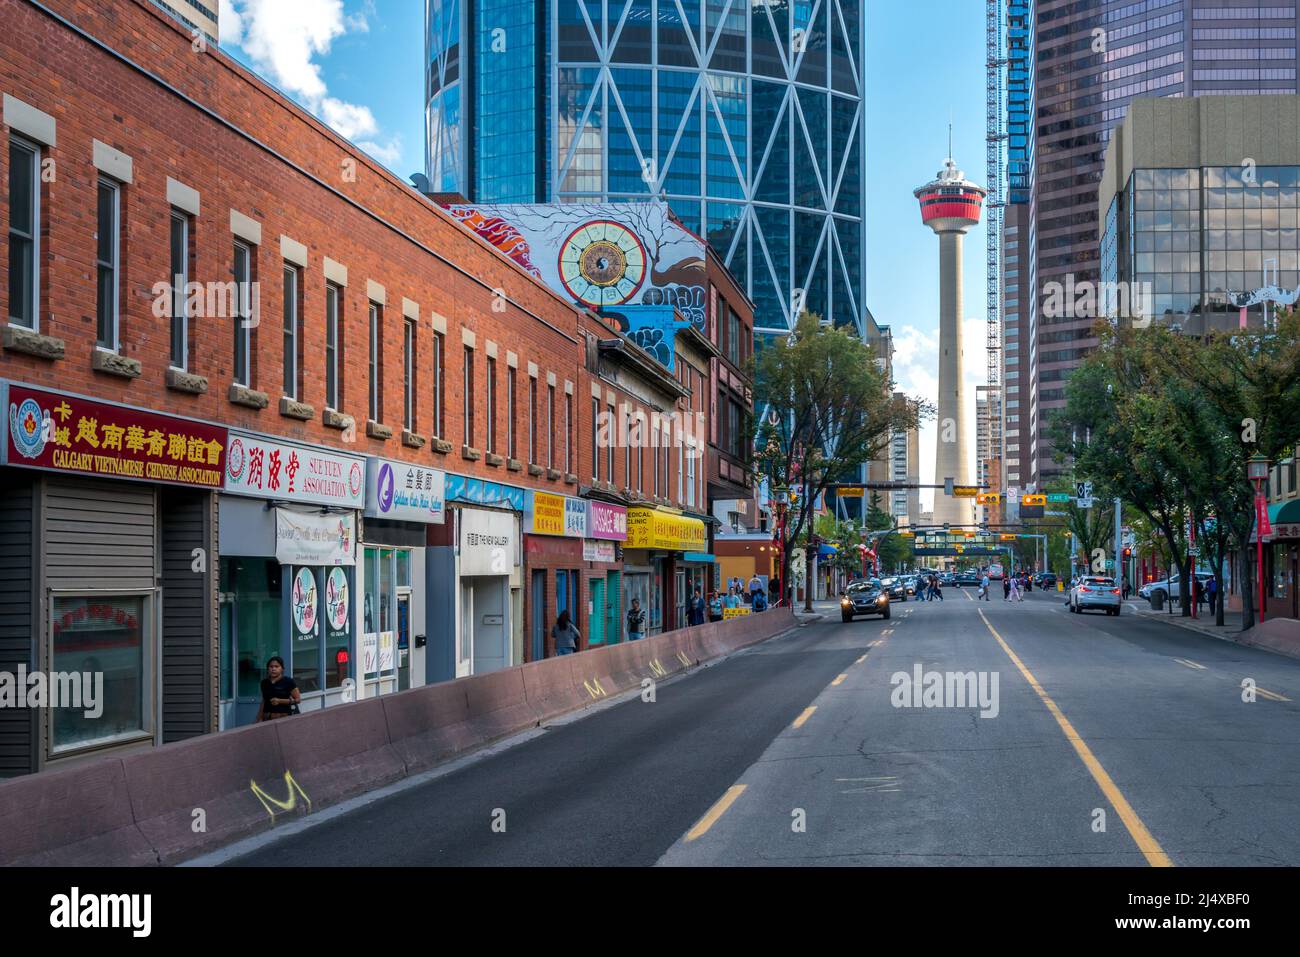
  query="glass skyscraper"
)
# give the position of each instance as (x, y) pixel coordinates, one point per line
(747, 119)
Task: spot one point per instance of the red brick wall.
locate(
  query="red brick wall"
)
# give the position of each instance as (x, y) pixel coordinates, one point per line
(377, 227)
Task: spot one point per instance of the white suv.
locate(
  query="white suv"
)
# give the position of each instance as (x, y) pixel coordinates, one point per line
(1168, 589)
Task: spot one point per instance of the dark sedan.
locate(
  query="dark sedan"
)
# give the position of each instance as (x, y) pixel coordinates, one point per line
(864, 598)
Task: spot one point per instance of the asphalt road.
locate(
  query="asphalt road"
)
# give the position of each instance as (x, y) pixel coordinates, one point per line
(1110, 741)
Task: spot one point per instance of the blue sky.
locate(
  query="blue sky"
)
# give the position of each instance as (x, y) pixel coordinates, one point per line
(358, 65)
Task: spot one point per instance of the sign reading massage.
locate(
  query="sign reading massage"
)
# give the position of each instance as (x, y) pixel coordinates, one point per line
(296, 473)
(49, 430)
(602, 254)
(400, 490)
(649, 528)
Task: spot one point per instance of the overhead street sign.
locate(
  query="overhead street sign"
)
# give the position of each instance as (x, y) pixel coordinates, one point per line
(1058, 498)
(1085, 502)
(850, 492)
(966, 491)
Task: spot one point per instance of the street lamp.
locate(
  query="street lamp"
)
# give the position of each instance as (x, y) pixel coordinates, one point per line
(1257, 467)
(781, 499)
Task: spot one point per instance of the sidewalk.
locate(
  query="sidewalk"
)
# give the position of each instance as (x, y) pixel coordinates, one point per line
(822, 608)
(1204, 624)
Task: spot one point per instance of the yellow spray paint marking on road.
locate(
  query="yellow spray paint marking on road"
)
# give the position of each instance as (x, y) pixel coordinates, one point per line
(1188, 663)
(711, 816)
(1146, 843)
(839, 680)
(1271, 695)
(807, 713)
(594, 688)
(291, 801)
(681, 656)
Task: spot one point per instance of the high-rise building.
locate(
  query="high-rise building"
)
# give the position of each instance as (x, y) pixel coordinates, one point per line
(905, 466)
(988, 440)
(950, 205)
(747, 120)
(1092, 58)
(200, 15)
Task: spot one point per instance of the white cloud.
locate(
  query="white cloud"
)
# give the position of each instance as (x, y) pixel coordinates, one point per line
(286, 41)
(916, 372)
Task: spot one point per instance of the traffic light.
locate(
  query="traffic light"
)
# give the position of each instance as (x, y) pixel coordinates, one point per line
(1128, 552)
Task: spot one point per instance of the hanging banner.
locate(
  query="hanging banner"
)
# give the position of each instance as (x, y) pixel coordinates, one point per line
(312, 539)
(598, 551)
(293, 472)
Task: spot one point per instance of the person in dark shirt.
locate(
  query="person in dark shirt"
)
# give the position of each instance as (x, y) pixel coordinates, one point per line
(635, 621)
(696, 610)
(280, 694)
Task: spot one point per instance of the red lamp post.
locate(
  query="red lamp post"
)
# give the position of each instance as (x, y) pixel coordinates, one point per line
(1257, 471)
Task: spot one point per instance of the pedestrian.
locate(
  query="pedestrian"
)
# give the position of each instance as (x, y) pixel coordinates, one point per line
(936, 589)
(565, 634)
(635, 621)
(984, 587)
(1006, 588)
(1212, 592)
(695, 613)
(715, 606)
(280, 694)
(1127, 588)
(760, 601)
(1015, 589)
(732, 600)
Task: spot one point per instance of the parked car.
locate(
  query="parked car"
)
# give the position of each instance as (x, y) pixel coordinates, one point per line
(1045, 580)
(1094, 591)
(967, 578)
(1168, 587)
(864, 598)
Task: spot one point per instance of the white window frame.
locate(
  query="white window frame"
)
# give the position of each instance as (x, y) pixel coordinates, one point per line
(511, 409)
(180, 311)
(243, 329)
(595, 439)
(550, 426)
(408, 374)
(467, 400)
(490, 441)
(438, 361)
(374, 317)
(114, 265)
(333, 306)
(35, 238)
(290, 330)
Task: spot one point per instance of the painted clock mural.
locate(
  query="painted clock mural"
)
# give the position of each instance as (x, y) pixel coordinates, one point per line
(602, 263)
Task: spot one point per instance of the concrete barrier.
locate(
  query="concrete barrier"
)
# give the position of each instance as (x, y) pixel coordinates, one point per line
(142, 808)
(1280, 635)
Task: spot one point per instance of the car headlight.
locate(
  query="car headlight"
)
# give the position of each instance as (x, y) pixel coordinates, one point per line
(882, 599)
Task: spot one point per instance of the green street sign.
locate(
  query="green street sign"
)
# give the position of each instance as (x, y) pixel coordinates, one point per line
(1058, 497)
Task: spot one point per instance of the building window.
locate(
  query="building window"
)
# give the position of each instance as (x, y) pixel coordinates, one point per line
(689, 450)
(611, 440)
(24, 233)
(681, 455)
(438, 370)
(106, 264)
(292, 333)
(243, 273)
(376, 370)
(640, 462)
(532, 421)
(595, 439)
(550, 426)
(734, 350)
(408, 375)
(180, 277)
(511, 410)
(333, 345)
(469, 397)
(568, 434)
(627, 445)
(110, 635)
(654, 437)
(491, 396)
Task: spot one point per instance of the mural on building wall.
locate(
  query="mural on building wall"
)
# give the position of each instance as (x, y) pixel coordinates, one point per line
(653, 328)
(601, 254)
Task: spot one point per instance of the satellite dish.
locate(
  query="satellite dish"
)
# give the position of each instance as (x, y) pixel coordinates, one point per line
(420, 182)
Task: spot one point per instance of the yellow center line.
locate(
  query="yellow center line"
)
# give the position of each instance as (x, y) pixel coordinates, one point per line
(711, 816)
(838, 680)
(860, 660)
(807, 713)
(1146, 843)
(1188, 663)
(1271, 695)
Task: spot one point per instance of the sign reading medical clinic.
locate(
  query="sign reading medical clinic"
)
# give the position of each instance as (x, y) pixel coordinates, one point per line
(293, 472)
(400, 490)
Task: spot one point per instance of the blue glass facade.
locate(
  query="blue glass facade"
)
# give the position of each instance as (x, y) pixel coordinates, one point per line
(745, 118)
(1020, 99)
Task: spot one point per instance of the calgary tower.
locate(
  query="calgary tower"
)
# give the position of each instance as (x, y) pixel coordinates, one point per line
(950, 205)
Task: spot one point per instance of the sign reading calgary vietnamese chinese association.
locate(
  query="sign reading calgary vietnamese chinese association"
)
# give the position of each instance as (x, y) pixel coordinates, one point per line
(63, 433)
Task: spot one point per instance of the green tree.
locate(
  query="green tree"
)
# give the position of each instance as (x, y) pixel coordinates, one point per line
(831, 410)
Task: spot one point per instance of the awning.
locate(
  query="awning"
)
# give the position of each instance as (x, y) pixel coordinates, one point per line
(826, 551)
(652, 528)
(1284, 513)
(703, 558)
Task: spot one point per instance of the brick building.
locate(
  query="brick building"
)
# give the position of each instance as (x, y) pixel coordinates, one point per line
(264, 398)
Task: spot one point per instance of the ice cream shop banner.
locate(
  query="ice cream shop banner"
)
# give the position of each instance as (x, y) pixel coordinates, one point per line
(63, 433)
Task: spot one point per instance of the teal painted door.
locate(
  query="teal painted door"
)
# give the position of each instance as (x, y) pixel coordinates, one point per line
(614, 607)
(597, 636)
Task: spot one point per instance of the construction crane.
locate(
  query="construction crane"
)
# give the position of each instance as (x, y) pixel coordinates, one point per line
(995, 203)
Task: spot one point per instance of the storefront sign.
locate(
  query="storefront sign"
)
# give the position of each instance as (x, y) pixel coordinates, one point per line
(597, 551)
(49, 430)
(479, 492)
(400, 490)
(313, 539)
(735, 612)
(607, 521)
(649, 528)
(488, 542)
(547, 514)
(305, 601)
(293, 472)
(575, 517)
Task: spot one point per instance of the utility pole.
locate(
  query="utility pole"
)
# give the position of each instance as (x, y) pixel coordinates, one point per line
(1119, 543)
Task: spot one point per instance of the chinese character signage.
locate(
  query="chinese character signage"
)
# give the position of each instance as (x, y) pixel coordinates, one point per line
(295, 473)
(400, 490)
(65, 434)
(548, 514)
(649, 528)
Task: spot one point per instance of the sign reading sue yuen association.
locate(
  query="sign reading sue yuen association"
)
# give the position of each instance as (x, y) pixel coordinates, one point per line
(294, 472)
(49, 430)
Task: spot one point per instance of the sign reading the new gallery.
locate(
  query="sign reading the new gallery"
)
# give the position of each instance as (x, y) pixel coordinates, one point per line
(62, 433)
